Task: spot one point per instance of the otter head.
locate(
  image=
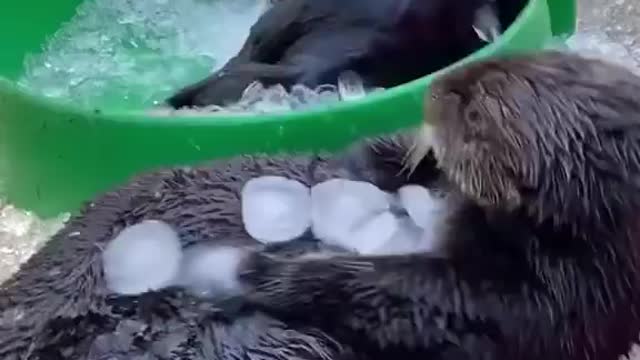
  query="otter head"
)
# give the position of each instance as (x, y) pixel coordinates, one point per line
(552, 133)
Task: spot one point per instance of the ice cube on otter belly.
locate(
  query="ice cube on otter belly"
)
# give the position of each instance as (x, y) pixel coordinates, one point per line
(341, 210)
(211, 271)
(275, 208)
(142, 257)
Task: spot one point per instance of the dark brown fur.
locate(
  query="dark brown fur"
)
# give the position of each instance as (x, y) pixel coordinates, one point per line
(544, 257)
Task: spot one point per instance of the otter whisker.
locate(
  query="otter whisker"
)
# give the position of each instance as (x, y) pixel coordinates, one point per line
(422, 143)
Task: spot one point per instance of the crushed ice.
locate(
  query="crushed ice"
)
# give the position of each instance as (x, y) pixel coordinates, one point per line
(155, 47)
(130, 53)
(22, 233)
(260, 99)
(148, 256)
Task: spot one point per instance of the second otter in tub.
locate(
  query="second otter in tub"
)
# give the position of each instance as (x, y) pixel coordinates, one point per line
(387, 42)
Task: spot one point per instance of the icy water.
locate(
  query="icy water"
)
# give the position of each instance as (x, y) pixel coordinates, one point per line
(128, 54)
(131, 54)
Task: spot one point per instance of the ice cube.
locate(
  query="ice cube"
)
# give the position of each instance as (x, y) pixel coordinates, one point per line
(210, 271)
(142, 257)
(373, 234)
(420, 204)
(339, 207)
(350, 86)
(114, 46)
(275, 208)
(406, 239)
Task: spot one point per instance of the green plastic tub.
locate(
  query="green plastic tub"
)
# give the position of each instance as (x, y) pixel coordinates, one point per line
(53, 156)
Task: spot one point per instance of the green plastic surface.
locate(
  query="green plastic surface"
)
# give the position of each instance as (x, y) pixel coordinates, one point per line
(53, 157)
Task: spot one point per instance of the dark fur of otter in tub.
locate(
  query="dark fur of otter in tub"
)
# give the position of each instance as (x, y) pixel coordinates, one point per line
(387, 42)
(542, 156)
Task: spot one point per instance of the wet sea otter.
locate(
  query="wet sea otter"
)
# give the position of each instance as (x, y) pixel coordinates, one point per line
(543, 257)
(387, 42)
(540, 155)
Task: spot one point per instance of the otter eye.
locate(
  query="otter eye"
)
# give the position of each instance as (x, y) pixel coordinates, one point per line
(474, 116)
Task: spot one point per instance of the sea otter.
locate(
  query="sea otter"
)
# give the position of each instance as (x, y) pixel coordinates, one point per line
(543, 257)
(540, 156)
(387, 42)
(57, 306)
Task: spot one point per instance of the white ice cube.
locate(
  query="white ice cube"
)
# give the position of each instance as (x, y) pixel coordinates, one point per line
(428, 212)
(406, 239)
(374, 234)
(275, 208)
(350, 86)
(142, 257)
(420, 204)
(210, 271)
(339, 207)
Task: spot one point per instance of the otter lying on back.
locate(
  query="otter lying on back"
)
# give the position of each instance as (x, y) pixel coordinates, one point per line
(387, 42)
(57, 306)
(543, 257)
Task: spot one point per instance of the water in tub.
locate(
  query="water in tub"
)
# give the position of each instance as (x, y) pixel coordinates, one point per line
(129, 54)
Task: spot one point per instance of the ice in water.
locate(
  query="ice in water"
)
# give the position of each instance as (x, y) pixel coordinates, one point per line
(142, 257)
(275, 208)
(210, 271)
(131, 52)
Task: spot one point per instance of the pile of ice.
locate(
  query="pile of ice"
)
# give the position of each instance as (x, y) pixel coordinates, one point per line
(353, 215)
(260, 99)
(132, 52)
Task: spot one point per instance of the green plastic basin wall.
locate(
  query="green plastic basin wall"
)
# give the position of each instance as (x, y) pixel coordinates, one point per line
(53, 157)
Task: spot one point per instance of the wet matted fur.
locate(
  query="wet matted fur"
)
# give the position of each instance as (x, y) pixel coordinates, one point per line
(56, 306)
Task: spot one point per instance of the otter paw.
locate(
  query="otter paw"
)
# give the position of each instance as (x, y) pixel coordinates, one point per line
(142, 257)
(212, 271)
(275, 209)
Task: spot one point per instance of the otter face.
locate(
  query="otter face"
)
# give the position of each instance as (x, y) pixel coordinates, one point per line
(477, 138)
(552, 132)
